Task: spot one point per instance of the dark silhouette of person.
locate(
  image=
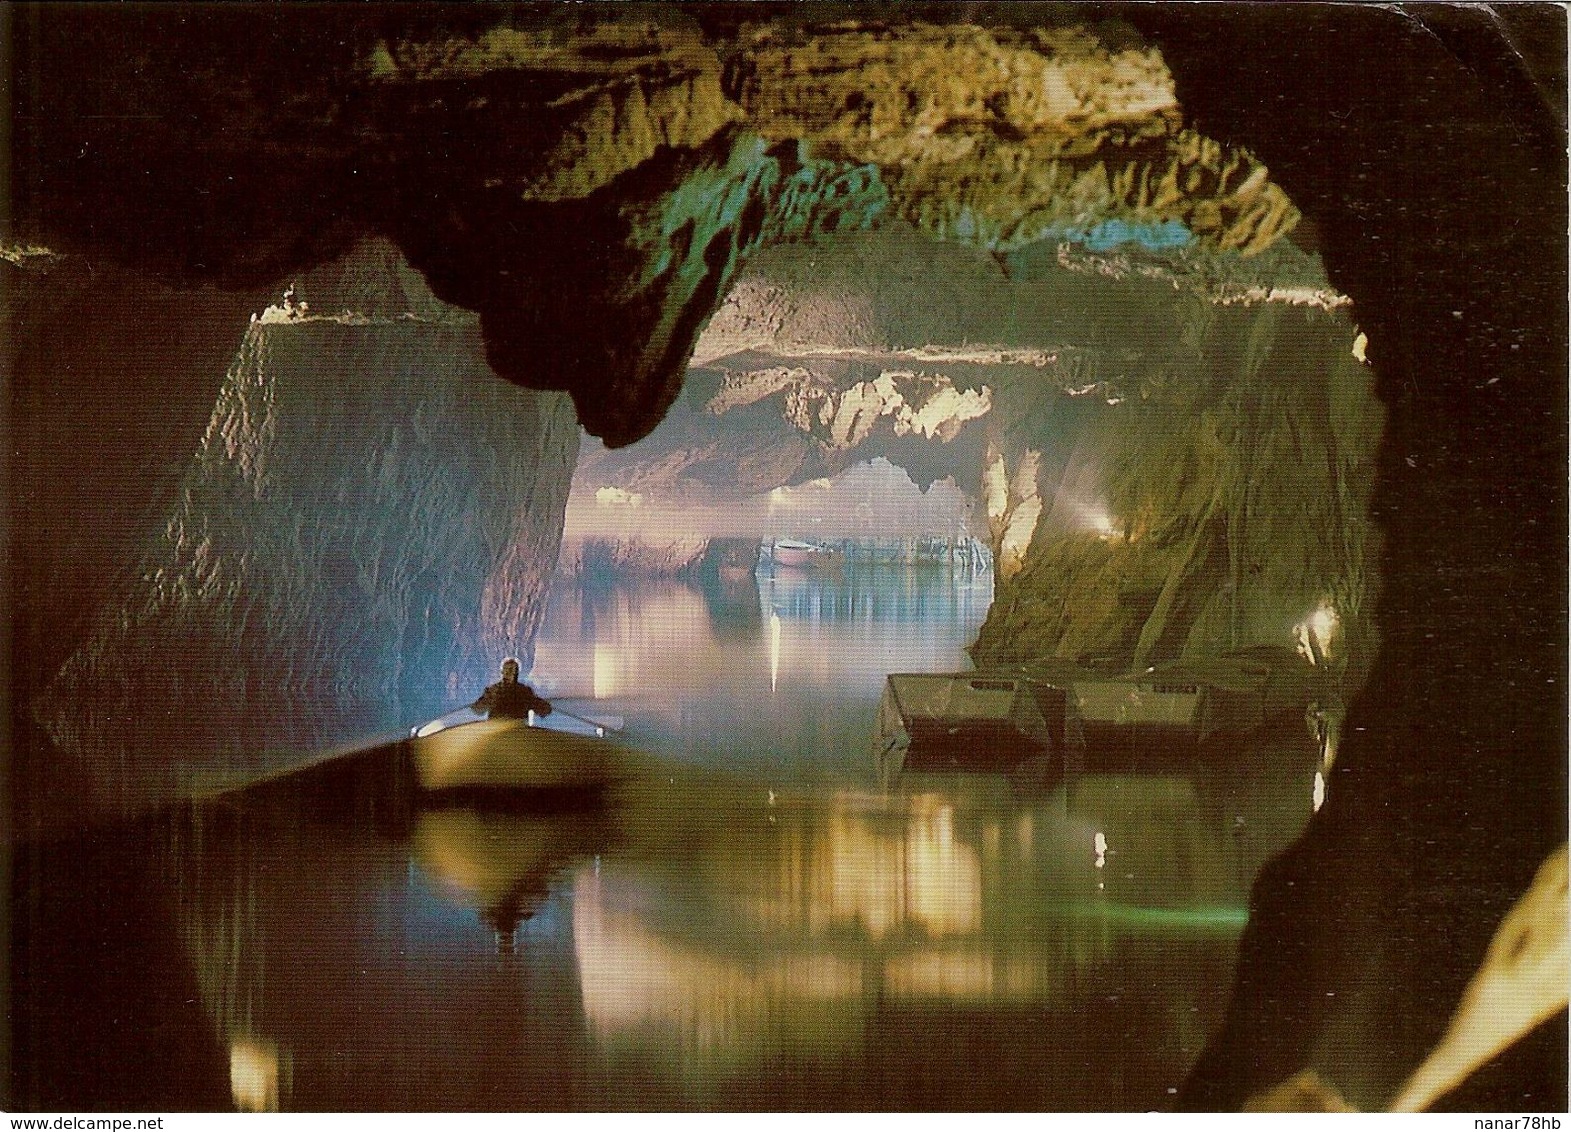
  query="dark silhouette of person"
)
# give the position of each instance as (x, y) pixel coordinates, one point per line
(508, 699)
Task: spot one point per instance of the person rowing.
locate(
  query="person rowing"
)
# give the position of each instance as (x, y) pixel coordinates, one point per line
(510, 699)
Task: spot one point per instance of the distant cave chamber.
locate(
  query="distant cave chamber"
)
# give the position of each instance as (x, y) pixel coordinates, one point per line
(1159, 474)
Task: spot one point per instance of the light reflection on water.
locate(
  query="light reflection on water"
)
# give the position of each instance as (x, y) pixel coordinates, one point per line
(754, 924)
(781, 673)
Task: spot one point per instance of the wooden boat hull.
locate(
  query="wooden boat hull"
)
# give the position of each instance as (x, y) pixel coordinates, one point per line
(510, 755)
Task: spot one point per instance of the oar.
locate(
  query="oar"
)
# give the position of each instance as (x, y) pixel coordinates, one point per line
(600, 727)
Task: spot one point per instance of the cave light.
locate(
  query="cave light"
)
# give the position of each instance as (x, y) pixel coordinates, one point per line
(1360, 345)
(605, 669)
(1103, 524)
(616, 497)
(1094, 518)
(1314, 635)
(1099, 843)
(1319, 794)
(253, 1075)
(1324, 623)
(774, 650)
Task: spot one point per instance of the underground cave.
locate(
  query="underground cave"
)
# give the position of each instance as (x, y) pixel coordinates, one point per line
(1055, 520)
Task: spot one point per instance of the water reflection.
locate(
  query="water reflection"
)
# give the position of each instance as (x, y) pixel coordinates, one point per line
(500, 863)
(735, 612)
(758, 922)
(694, 680)
(803, 930)
(358, 949)
(254, 1075)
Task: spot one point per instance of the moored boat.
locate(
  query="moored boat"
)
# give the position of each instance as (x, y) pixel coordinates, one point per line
(987, 721)
(794, 552)
(995, 718)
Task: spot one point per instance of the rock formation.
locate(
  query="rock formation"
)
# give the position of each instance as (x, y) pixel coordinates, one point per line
(646, 159)
(1409, 138)
(1000, 137)
(1207, 505)
(342, 557)
(1188, 463)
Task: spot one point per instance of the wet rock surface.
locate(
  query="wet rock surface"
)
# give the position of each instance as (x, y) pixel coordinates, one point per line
(342, 555)
(1204, 503)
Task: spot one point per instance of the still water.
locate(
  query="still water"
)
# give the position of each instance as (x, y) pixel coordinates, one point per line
(755, 922)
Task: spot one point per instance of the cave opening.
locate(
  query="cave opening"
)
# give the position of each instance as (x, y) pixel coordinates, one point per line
(1163, 453)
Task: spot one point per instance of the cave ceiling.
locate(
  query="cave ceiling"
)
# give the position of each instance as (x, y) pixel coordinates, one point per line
(591, 181)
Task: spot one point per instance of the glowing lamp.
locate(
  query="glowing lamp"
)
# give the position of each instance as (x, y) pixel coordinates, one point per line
(1323, 623)
(253, 1075)
(1103, 524)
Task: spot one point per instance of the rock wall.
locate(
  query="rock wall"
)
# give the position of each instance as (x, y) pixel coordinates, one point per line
(1429, 147)
(890, 344)
(1001, 137)
(651, 556)
(1212, 505)
(368, 525)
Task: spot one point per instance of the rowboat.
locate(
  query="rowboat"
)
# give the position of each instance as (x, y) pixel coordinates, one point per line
(516, 755)
(1168, 712)
(794, 552)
